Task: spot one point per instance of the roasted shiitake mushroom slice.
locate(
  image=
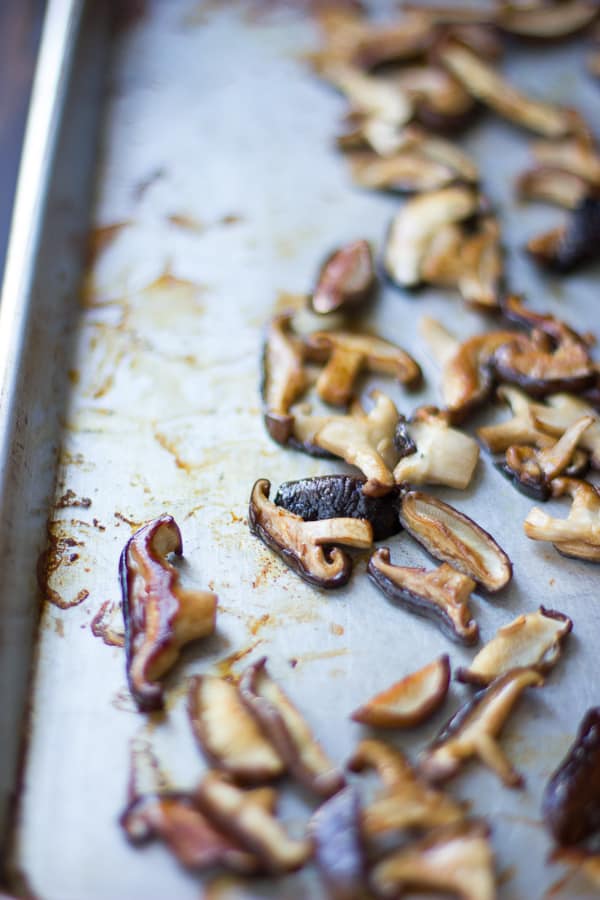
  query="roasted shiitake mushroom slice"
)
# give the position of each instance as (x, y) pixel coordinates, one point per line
(522, 429)
(283, 378)
(579, 534)
(575, 155)
(560, 411)
(547, 185)
(339, 854)
(409, 701)
(442, 455)
(546, 21)
(577, 241)
(346, 280)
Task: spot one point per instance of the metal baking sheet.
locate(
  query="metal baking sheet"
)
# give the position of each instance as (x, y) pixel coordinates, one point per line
(218, 191)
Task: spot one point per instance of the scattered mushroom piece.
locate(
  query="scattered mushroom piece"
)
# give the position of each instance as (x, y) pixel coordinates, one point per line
(561, 411)
(481, 266)
(473, 730)
(255, 828)
(370, 94)
(409, 701)
(440, 101)
(452, 537)
(443, 454)
(346, 280)
(227, 734)
(407, 172)
(575, 155)
(284, 378)
(571, 804)
(311, 549)
(577, 241)
(540, 369)
(441, 595)
(341, 496)
(456, 860)
(160, 616)
(548, 185)
(523, 428)
(579, 534)
(288, 731)
(413, 228)
(362, 43)
(547, 22)
(338, 846)
(531, 641)
(349, 354)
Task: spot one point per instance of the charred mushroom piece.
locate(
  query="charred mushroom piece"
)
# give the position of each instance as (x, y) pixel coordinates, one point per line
(441, 595)
(349, 354)
(284, 378)
(473, 730)
(577, 241)
(540, 370)
(311, 549)
(338, 847)
(579, 534)
(160, 616)
(255, 829)
(340, 496)
(409, 701)
(227, 734)
(571, 804)
(288, 731)
(523, 428)
(443, 454)
(561, 411)
(532, 641)
(457, 860)
(414, 227)
(452, 537)
(346, 280)
(548, 22)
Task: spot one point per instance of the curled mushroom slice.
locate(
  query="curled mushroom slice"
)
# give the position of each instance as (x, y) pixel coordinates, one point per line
(340, 496)
(407, 172)
(571, 804)
(346, 279)
(575, 155)
(532, 641)
(443, 454)
(452, 537)
(541, 370)
(575, 242)
(415, 225)
(561, 411)
(367, 45)
(485, 84)
(579, 534)
(455, 860)
(473, 730)
(481, 267)
(255, 828)
(549, 185)
(311, 549)
(523, 428)
(371, 94)
(335, 829)
(160, 616)
(409, 701)
(226, 732)
(288, 731)
(441, 102)
(349, 354)
(441, 595)
(284, 378)
(548, 22)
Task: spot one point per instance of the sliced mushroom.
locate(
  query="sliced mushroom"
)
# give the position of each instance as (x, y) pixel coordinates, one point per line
(452, 537)
(340, 496)
(515, 309)
(227, 734)
(335, 829)
(311, 549)
(576, 156)
(456, 860)
(484, 83)
(440, 101)
(407, 172)
(561, 411)
(160, 616)
(453, 13)
(415, 225)
(481, 266)
(523, 428)
(349, 354)
(473, 730)
(284, 378)
(541, 370)
(441, 595)
(443, 454)
(237, 814)
(571, 804)
(531, 641)
(406, 801)
(554, 186)
(369, 45)
(362, 440)
(577, 241)
(346, 280)
(370, 94)
(548, 22)
(579, 534)
(288, 731)
(409, 701)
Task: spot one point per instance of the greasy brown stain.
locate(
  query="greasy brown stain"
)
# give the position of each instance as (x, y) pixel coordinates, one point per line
(506, 875)
(317, 655)
(256, 624)
(224, 666)
(257, 10)
(124, 702)
(188, 223)
(60, 552)
(168, 281)
(59, 627)
(133, 524)
(104, 626)
(101, 237)
(336, 629)
(70, 498)
(264, 573)
(172, 449)
(231, 219)
(74, 376)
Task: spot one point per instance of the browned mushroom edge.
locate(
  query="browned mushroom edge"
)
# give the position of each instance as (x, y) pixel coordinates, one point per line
(339, 852)
(568, 246)
(548, 185)
(283, 377)
(410, 701)
(160, 616)
(346, 279)
(442, 455)
(547, 23)
(578, 535)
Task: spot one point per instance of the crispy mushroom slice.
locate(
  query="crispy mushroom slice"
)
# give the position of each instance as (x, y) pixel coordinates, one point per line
(284, 378)
(481, 266)
(370, 94)
(548, 185)
(160, 616)
(288, 731)
(441, 102)
(441, 595)
(311, 549)
(532, 641)
(335, 829)
(227, 734)
(415, 225)
(522, 428)
(472, 731)
(340, 496)
(409, 701)
(577, 241)
(579, 534)
(237, 814)
(576, 155)
(452, 537)
(443, 454)
(561, 411)
(484, 83)
(346, 280)
(541, 370)
(548, 22)
(367, 45)
(406, 172)
(456, 860)
(571, 804)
